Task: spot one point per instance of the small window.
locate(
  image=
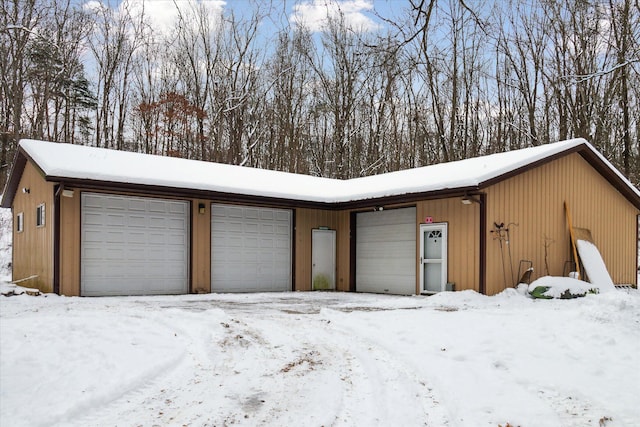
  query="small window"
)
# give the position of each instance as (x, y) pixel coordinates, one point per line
(40, 215)
(20, 222)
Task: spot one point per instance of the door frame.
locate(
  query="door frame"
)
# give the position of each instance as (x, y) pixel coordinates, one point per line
(332, 233)
(443, 261)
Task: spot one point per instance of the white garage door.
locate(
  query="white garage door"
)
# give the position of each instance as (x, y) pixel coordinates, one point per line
(386, 251)
(250, 249)
(134, 245)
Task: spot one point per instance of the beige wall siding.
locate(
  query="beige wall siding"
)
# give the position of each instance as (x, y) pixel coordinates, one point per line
(33, 248)
(532, 205)
(201, 247)
(70, 245)
(463, 262)
(308, 219)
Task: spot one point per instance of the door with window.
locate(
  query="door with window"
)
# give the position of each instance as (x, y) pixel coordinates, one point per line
(433, 257)
(323, 259)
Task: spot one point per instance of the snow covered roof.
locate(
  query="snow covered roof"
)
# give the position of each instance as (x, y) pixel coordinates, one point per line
(67, 162)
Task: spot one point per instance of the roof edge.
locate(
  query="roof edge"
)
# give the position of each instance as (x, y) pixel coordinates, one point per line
(584, 148)
(15, 174)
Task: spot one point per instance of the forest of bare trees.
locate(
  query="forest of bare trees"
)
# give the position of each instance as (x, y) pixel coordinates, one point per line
(440, 80)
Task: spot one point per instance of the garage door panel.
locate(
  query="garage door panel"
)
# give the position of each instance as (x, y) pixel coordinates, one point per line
(251, 249)
(133, 245)
(266, 215)
(159, 207)
(391, 231)
(386, 251)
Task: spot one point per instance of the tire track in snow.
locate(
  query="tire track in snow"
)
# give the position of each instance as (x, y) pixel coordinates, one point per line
(386, 391)
(293, 369)
(374, 388)
(158, 401)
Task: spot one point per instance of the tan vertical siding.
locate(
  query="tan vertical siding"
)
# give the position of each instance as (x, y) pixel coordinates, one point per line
(532, 203)
(463, 262)
(33, 248)
(70, 245)
(201, 247)
(307, 220)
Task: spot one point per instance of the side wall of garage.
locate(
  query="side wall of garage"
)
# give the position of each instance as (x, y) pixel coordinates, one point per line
(532, 203)
(33, 247)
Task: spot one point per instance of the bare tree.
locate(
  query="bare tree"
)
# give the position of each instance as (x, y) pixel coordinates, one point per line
(17, 23)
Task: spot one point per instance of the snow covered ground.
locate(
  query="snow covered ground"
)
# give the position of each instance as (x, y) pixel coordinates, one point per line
(313, 359)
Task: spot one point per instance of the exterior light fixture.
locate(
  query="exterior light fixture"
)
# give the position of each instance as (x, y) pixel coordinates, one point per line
(67, 193)
(468, 200)
(201, 208)
(26, 190)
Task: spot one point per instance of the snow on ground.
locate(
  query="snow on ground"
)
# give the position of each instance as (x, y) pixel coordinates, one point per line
(5, 243)
(311, 359)
(320, 358)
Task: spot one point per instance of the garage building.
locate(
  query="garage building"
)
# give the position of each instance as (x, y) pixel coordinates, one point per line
(97, 222)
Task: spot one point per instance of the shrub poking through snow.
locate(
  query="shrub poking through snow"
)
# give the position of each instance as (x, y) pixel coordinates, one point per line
(549, 287)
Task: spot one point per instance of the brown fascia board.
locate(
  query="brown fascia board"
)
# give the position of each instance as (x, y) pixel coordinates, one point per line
(15, 173)
(407, 198)
(592, 158)
(158, 190)
(256, 199)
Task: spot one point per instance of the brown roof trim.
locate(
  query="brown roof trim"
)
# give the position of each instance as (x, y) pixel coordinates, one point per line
(15, 174)
(253, 199)
(406, 198)
(158, 190)
(10, 188)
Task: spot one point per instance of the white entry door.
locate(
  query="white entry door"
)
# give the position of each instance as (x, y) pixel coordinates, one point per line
(433, 257)
(323, 259)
